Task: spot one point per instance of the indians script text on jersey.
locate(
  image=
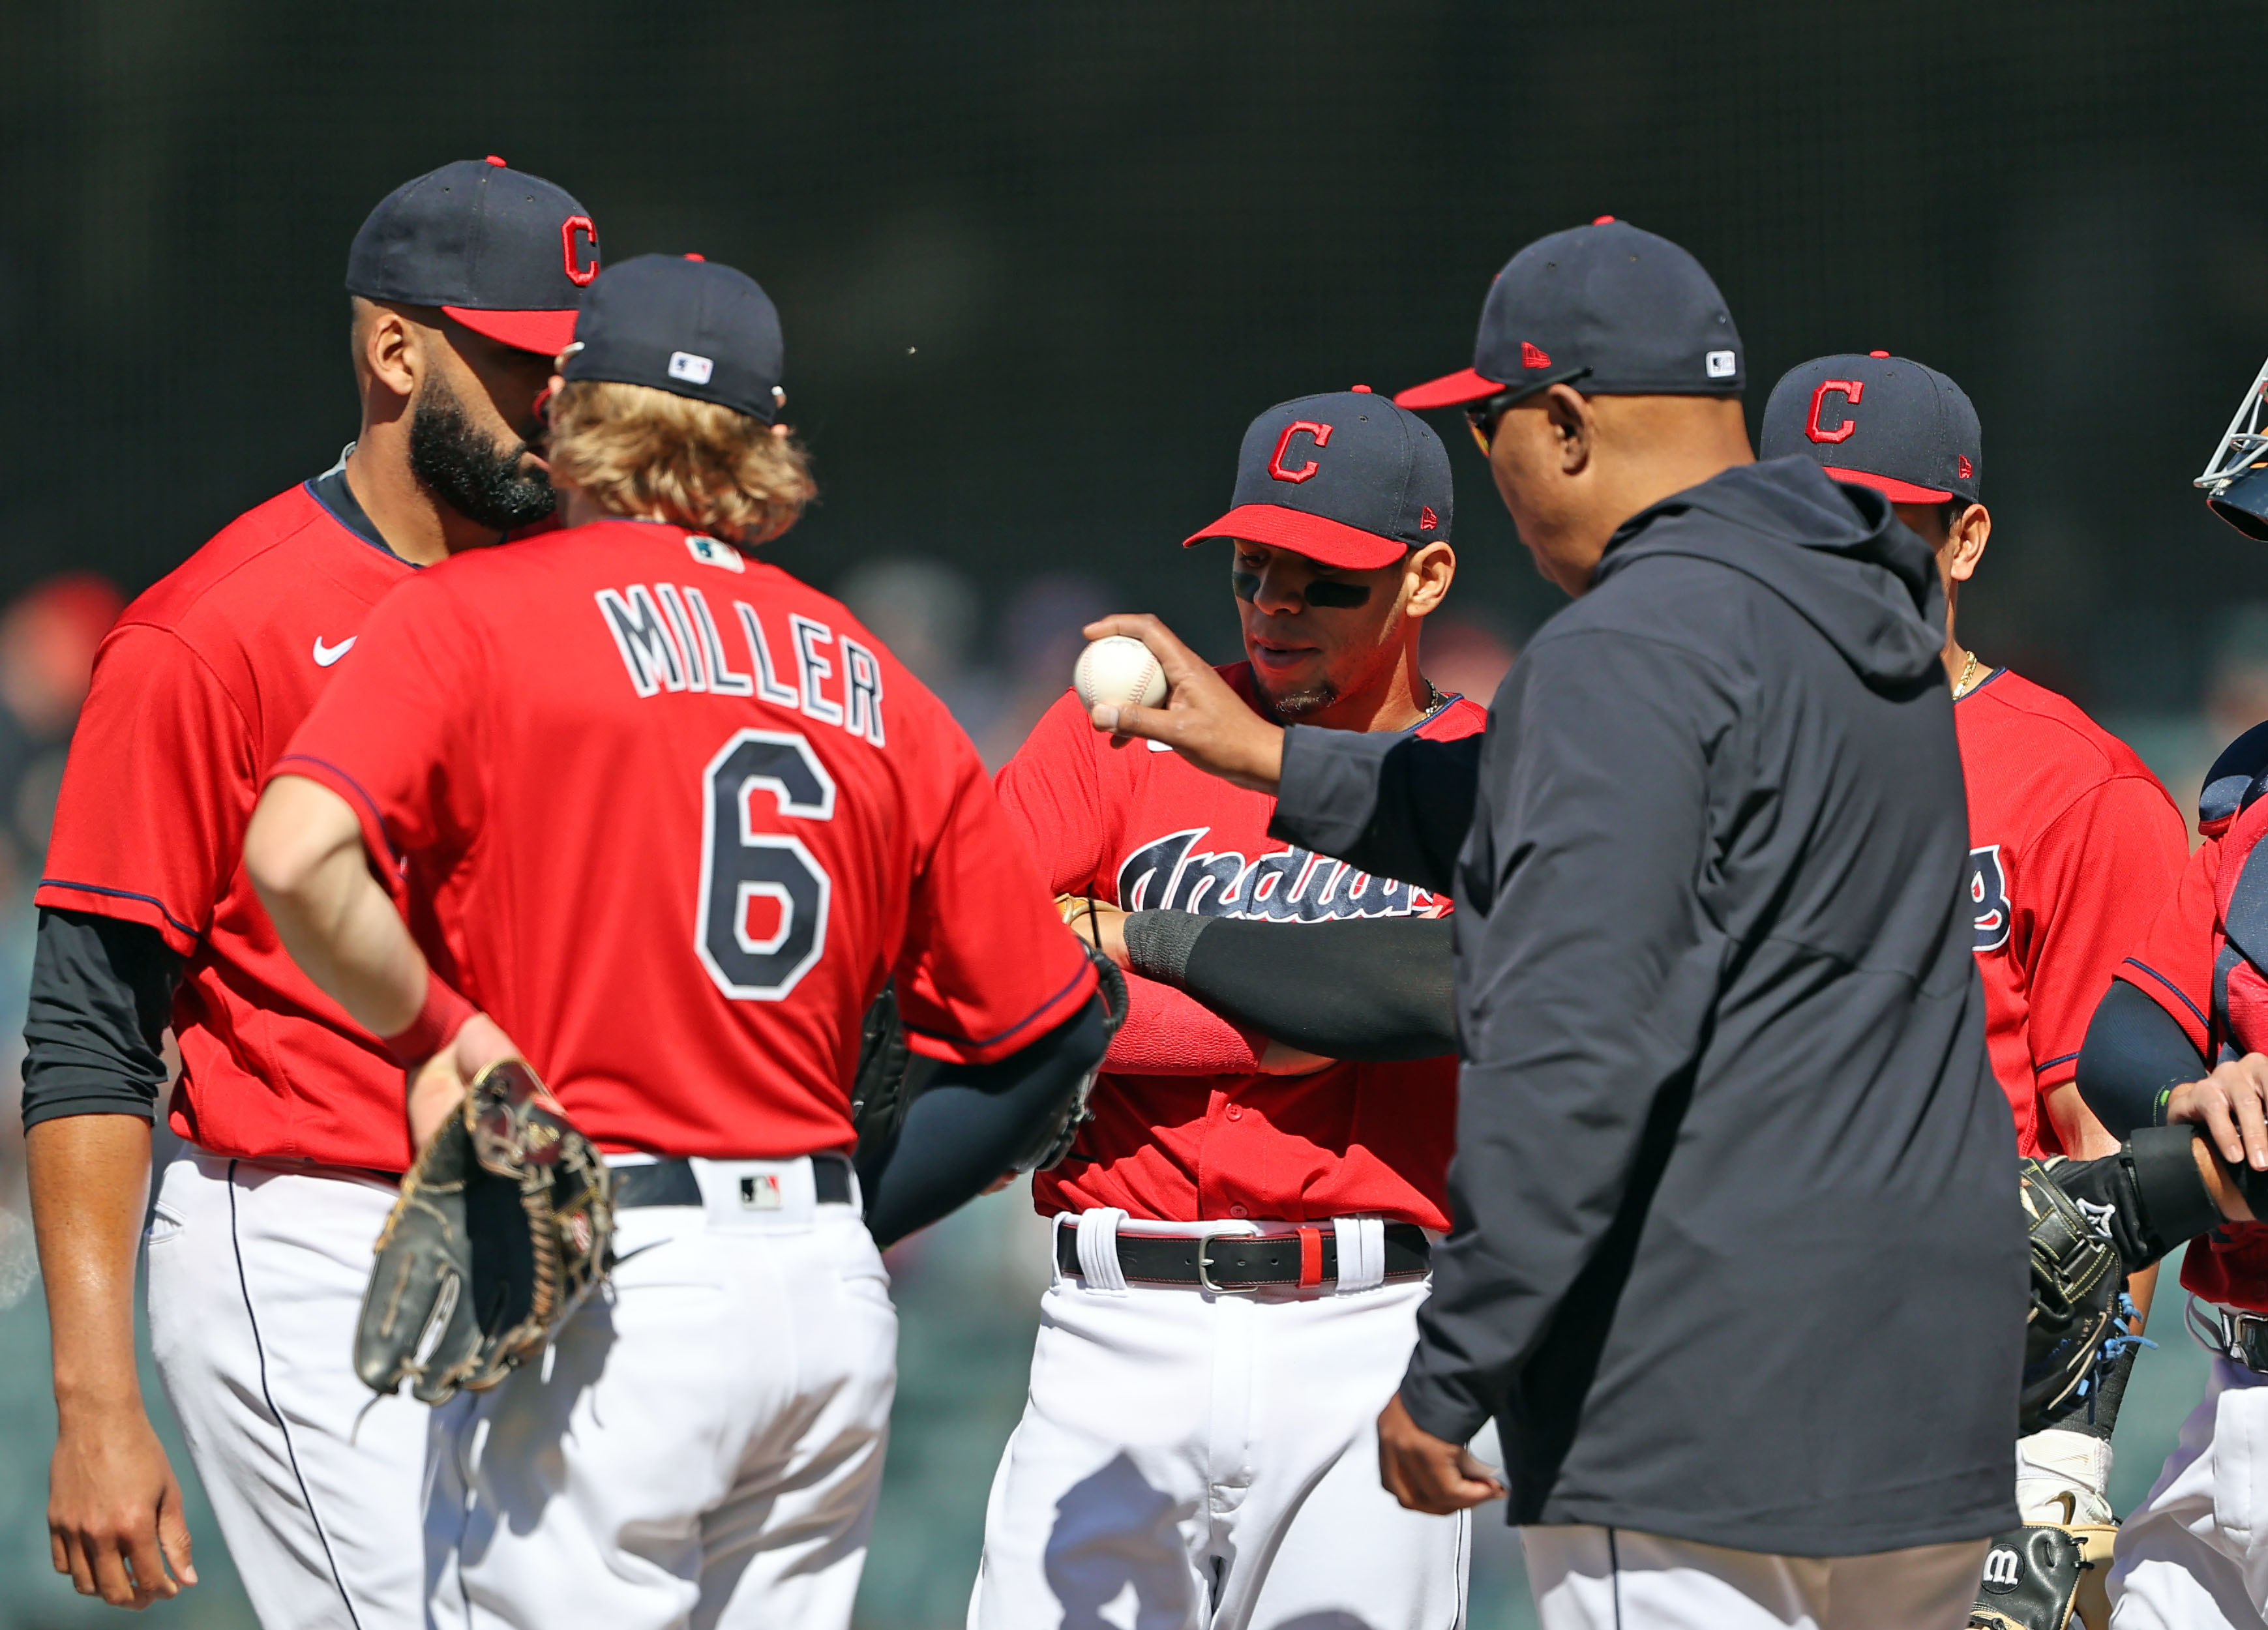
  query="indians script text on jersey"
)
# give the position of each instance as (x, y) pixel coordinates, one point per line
(1185, 1127)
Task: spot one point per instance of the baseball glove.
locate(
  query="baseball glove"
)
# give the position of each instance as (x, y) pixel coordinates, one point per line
(891, 1076)
(1052, 1141)
(2077, 1279)
(2036, 1578)
(887, 1079)
(502, 1228)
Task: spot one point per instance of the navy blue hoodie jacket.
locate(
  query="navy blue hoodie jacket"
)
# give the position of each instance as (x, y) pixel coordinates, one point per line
(1737, 1256)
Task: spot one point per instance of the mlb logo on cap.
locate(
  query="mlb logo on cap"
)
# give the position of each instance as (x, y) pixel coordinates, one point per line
(685, 325)
(1347, 479)
(1609, 309)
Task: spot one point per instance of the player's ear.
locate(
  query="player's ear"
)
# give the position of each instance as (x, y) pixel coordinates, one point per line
(1970, 531)
(387, 350)
(1574, 427)
(1428, 573)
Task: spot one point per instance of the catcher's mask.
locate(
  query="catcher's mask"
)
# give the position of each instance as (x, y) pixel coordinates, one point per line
(2236, 479)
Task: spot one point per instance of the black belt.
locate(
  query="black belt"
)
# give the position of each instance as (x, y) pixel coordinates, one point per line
(1306, 1256)
(673, 1183)
(2233, 1333)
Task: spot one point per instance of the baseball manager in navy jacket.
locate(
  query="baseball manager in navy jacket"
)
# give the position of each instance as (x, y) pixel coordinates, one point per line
(1737, 1263)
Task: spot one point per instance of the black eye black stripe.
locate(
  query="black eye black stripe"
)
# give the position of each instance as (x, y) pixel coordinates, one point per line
(1321, 592)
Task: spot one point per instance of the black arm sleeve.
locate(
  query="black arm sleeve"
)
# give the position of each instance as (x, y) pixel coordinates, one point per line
(1395, 806)
(970, 1123)
(102, 992)
(2134, 1056)
(1375, 989)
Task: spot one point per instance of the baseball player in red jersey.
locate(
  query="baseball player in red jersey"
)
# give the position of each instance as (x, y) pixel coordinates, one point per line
(2180, 1037)
(464, 284)
(1242, 1231)
(2073, 842)
(670, 818)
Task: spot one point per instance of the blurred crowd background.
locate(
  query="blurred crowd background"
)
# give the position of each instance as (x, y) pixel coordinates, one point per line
(1039, 261)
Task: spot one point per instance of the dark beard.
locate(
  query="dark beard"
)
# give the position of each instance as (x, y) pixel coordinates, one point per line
(1292, 706)
(479, 480)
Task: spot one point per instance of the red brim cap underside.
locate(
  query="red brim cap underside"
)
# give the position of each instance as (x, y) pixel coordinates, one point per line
(1897, 491)
(1452, 390)
(1334, 543)
(547, 334)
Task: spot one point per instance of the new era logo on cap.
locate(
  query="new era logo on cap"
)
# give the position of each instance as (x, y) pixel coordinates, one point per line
(1348, 478)
(1607, 308)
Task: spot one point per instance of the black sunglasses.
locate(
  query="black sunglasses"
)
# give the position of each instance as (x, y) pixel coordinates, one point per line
(1482, 417)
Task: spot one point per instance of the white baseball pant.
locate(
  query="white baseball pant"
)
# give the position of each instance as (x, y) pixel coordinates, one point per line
(256, 1275)
(2195, 1552)
(1589, 1578)
(701, 1445)
(1192, 1461)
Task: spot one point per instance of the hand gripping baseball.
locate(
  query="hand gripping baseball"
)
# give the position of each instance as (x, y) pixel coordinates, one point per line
(1203, 720)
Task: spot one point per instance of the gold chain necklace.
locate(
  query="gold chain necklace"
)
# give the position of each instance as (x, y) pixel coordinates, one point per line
(1967, 672)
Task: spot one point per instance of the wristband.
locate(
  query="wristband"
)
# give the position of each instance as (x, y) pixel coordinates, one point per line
(436, 1025)
(1158, 942)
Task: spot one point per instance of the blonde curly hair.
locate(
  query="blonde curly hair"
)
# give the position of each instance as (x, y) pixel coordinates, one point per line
(637, 451)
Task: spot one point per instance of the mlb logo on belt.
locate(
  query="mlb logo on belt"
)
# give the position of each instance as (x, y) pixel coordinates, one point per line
(760, 1192)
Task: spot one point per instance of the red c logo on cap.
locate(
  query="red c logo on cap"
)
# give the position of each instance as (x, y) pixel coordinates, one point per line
(1322, 436)
(1852, 391)
(578, 272)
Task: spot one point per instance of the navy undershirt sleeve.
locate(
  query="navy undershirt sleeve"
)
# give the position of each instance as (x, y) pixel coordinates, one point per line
(1374, 989)
(102, 993)
(2134, 1058)
(970, 1123)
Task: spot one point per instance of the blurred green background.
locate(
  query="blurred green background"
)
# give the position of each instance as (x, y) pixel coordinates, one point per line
(1039, 262)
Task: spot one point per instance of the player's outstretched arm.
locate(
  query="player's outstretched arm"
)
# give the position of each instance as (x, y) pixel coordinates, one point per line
(2135, 1054)
(1395, 804)
(1376, 989)
(971, 1122)
(1203, 720)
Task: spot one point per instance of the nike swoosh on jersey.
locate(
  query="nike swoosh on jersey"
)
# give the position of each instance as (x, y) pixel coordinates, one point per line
(326, 654)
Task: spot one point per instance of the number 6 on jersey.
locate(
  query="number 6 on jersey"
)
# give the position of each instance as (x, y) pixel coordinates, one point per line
(740, 864)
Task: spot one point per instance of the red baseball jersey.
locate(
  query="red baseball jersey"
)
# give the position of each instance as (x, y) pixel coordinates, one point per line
(672, 817)
(2073, 845)
(1185, 1127)
(2174, 965)
(196, 689)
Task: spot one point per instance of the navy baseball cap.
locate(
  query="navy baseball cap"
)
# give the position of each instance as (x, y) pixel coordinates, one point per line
(507, 254)
(1347, 479)
(1607, 308)
(680, 324)
(1880, 420)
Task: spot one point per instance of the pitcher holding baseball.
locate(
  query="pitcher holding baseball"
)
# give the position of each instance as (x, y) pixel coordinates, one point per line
(1242, 1231)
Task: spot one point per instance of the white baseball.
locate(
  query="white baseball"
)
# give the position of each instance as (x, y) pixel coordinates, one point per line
(1114, 671)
